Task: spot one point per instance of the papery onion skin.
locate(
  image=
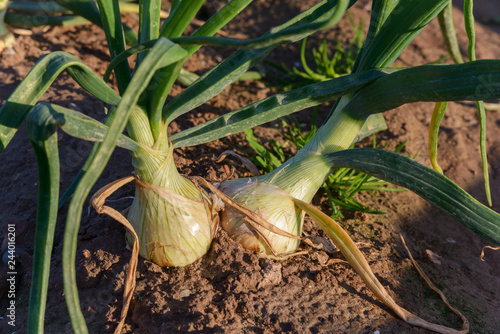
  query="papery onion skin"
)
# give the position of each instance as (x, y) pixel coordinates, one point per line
(271, 203)
(169, 214)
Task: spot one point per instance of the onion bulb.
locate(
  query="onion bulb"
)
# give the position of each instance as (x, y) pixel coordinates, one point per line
(170, 215)
(271, 203)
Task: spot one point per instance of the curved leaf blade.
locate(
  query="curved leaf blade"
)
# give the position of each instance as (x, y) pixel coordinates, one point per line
(88, 10)
(437, 117)
(84, 127)
(38, 81)
(273, 107)
(166, 77)
(400, 27)
(429, 184)
(41, 129)
(30, 21)
(164, 49)
(473, 81)
(217, 79)
(112, 25)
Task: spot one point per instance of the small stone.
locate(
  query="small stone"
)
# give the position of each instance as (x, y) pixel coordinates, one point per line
(433, 257)
(184, 293)
(86, 253)
(271, 274)
(74, 107)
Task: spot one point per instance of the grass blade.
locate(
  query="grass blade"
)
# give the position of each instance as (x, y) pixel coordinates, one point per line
(448, 30)
(432, 186)
(471, 34)
(36, 83)
(437, 117)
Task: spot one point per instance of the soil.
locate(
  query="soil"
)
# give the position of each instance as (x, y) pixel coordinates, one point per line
(232, 290)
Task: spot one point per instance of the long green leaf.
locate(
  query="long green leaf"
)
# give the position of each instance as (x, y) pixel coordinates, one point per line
(180, 17)
(149, 22)
(88, 10)
(396, 23)
(271, 108)
(425, 182)
(34, 7)
(84, 8)
(275, 36)
(165, 78)
(71, 189)
(112, 25)
(163, 50)
(84, 127)
(217, 79)
(316, 13)
(479, 80)
(405, 22)
(36, 83)
(30, 21)
(81, 126)
(381, 9)
(41, 128)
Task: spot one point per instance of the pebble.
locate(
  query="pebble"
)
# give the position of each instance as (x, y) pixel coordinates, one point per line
(184, 293)
(74, 107)
(433, 257)
(271, 274)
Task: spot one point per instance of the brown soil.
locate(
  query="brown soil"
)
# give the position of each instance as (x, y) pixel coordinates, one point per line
(234, 290)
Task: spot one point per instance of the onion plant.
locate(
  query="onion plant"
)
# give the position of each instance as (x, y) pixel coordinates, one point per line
(340, 186)
(390, 32)
(173, 219)
(393, 25)
(6, 37)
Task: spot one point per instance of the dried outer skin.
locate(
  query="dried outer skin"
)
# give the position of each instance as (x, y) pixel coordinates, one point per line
(271, 203)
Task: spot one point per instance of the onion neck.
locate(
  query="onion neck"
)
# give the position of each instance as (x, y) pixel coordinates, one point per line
(302, 175)
(158, 168)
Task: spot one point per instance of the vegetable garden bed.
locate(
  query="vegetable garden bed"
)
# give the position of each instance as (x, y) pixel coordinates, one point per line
(234, 290)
